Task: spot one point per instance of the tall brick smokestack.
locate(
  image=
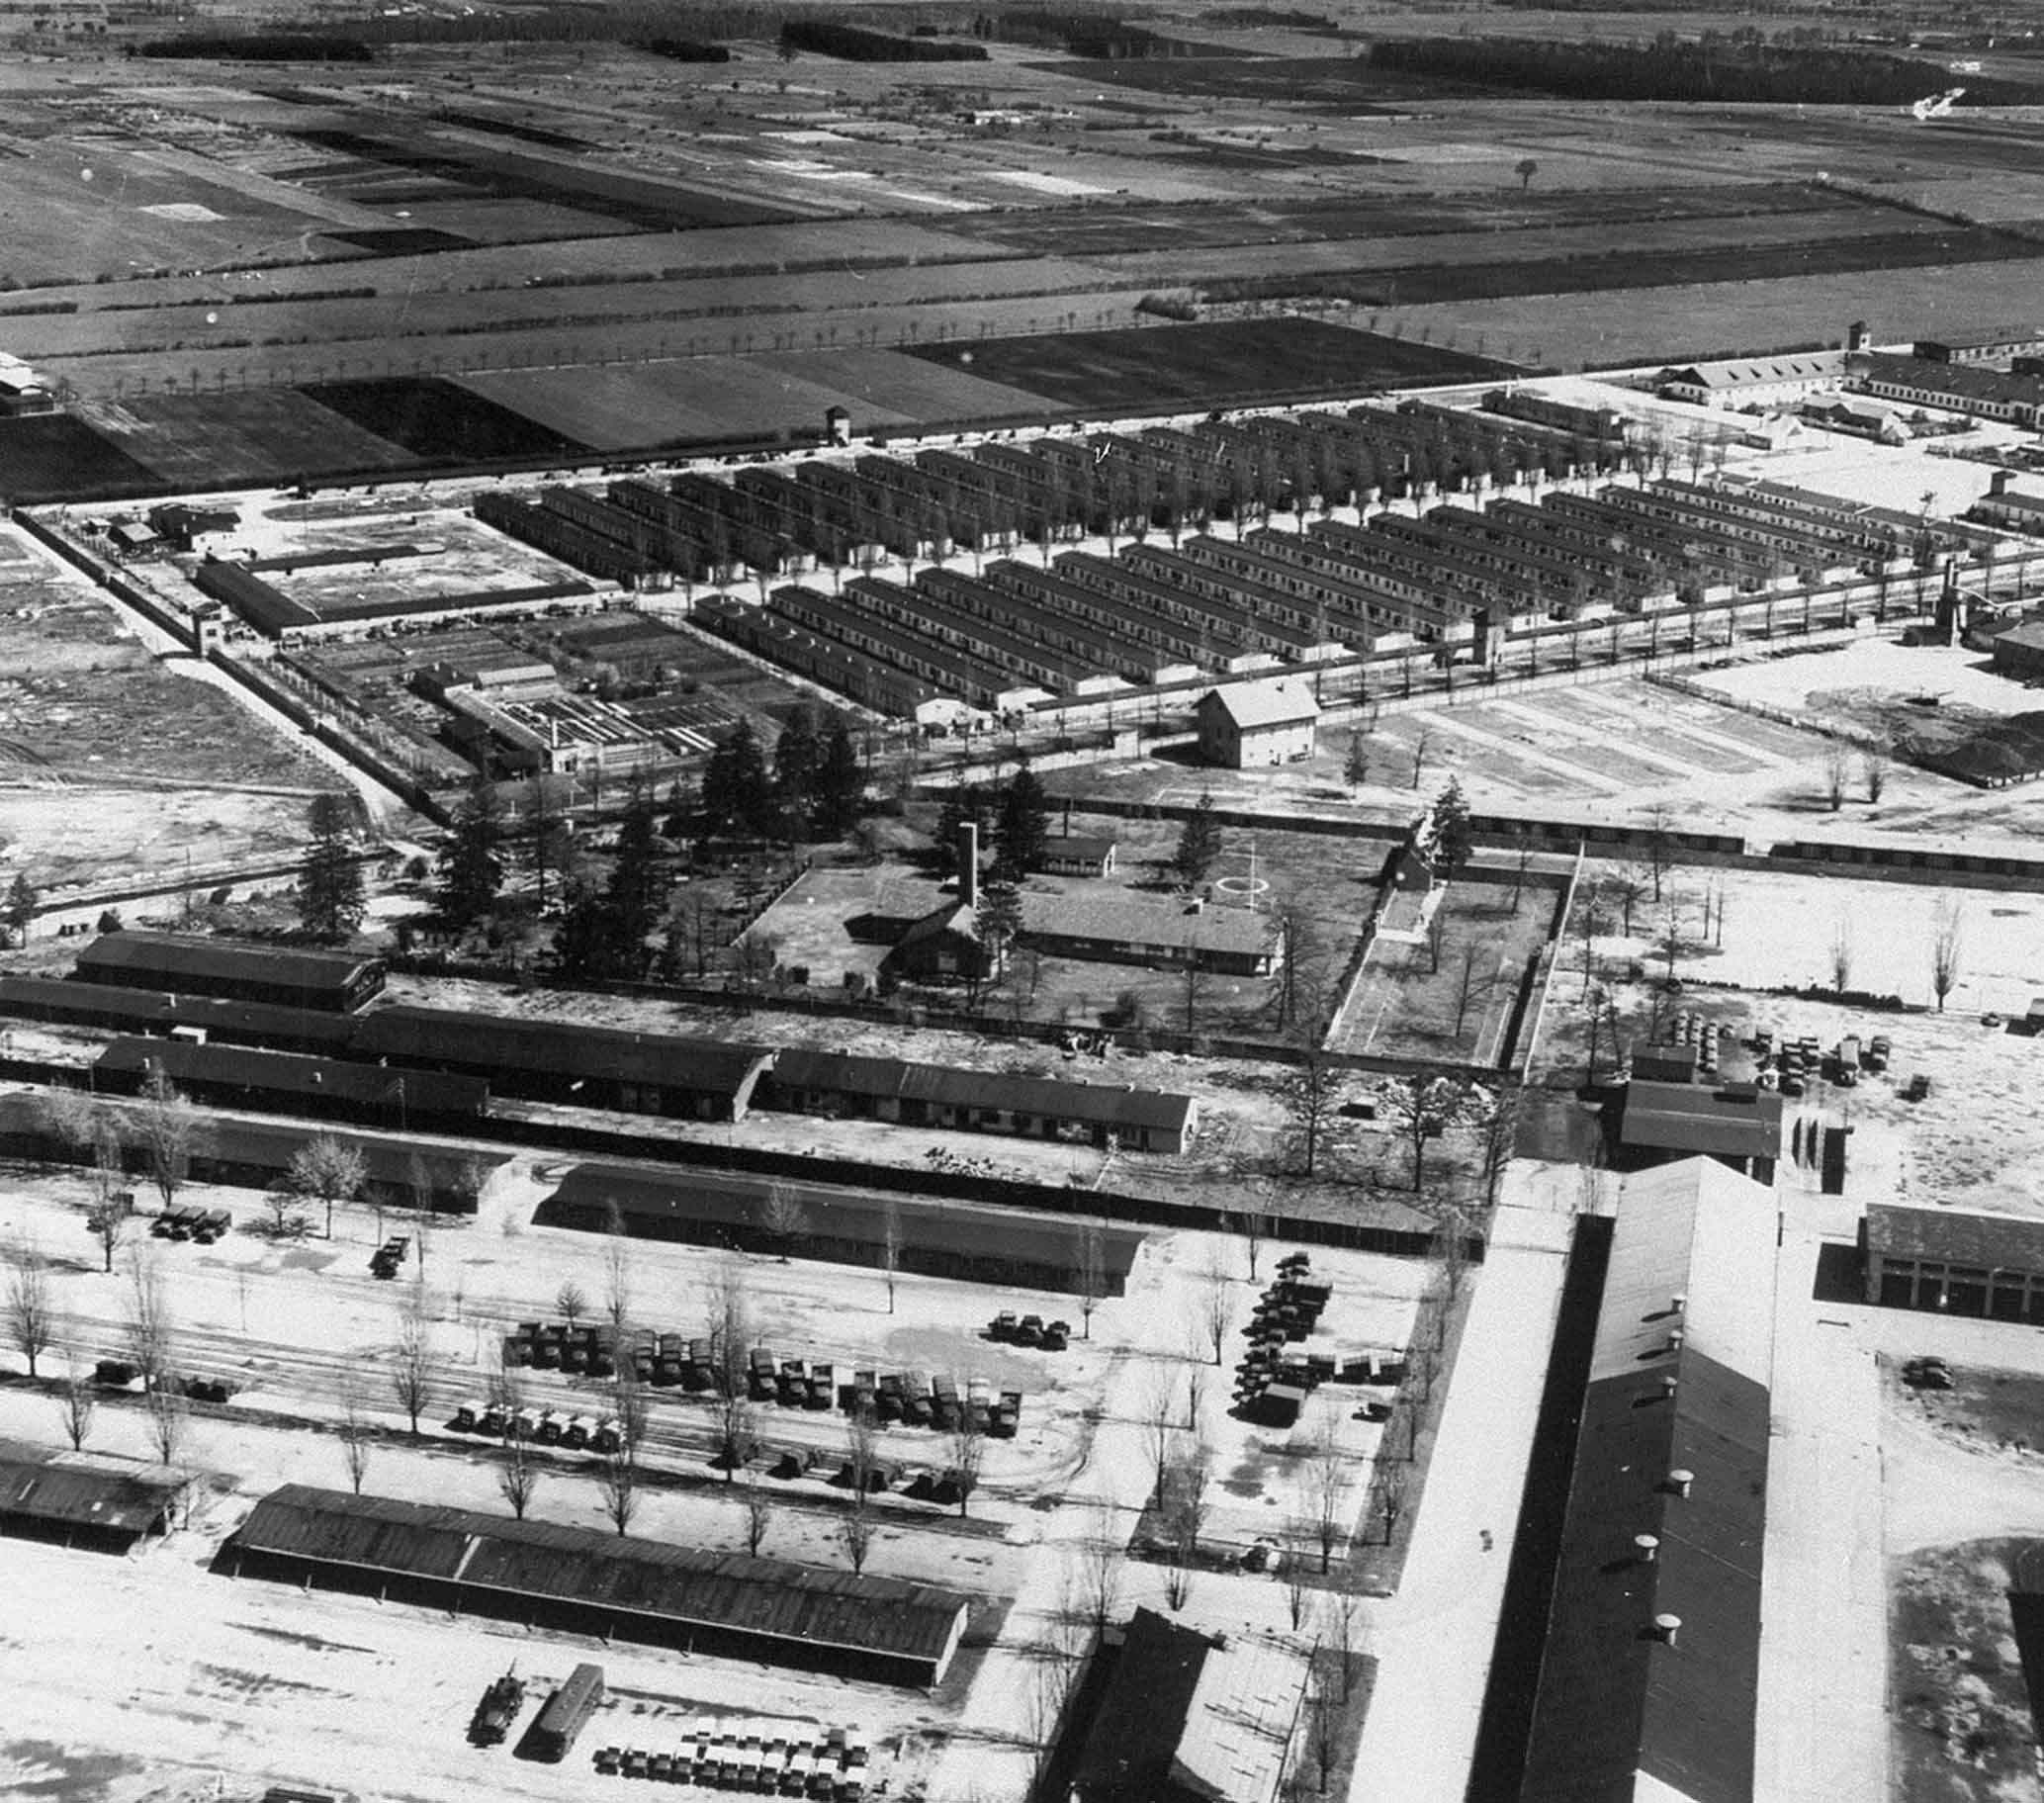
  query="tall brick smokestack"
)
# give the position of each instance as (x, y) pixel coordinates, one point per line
(968, 864)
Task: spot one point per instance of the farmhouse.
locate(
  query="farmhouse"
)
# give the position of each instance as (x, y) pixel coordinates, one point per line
(936, 1095)
(237, 970)
(1649, 1673)
(79, 1499)
(190, 528)
(1250, 725)
(1736, 1123)
(1193, 1718)
(585, 1581)
(1743, 382)
(1954, 1261)
(561, 1061)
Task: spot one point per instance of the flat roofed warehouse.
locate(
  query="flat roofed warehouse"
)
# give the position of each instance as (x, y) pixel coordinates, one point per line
(237, 970)
(588, 1582)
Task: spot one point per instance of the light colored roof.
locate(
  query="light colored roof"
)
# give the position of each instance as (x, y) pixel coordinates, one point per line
(1275, 701)
(1244, 1704)
(1687, 1117)
(1703, 1232)
(1745, 372)
(1137, 919)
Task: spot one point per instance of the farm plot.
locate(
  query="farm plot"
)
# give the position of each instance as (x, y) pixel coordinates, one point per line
(440, 422)
(54, 457)
(248, 435)
(1447, 988)
(1150, 369)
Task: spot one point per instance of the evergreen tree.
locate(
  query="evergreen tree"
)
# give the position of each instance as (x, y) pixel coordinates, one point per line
(1023, 829)
(958, 807)
(635, 895)
(737, 795)
(583, 942)
(18, 909)
(1199, 845)
(999, 923)
(471, 871)
(1445, 837)
(330, 901)
(798, 756)
(841, 783)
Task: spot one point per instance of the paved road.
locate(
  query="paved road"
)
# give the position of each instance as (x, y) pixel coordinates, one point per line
(1434, 1641)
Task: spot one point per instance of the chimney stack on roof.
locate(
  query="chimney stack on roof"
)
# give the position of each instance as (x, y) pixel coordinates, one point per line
(968, 863)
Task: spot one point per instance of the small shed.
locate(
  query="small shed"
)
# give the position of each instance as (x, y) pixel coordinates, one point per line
(84, 1500)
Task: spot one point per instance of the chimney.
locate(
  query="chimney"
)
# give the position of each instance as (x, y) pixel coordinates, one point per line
(1667, 1390)
(1646, 1544)
(968, 863)
(1677, 1303)
(1679, 1481)
(1674, 1339)
(1665, 1627)
(1858, 337)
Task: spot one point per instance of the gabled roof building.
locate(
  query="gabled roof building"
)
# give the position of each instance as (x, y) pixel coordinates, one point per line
(1253, 725)
(1649, 1675)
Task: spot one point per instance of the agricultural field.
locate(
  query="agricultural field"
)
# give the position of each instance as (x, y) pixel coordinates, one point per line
(116, 764)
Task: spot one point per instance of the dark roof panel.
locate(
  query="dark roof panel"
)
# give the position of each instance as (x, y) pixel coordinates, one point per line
(1955, 1236)
(411, 1092)
(79, 1489)
(163, 957)
(1687, 1117)
(559, 1047)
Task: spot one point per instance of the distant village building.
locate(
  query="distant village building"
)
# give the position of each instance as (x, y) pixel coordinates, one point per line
(1254, 725)
(22, 391)
(1951, 388)
(191, 528)
(1995, 346)
(1080, 854)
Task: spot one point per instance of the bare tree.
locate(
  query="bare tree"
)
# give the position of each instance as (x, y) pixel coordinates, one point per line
(1325, 1474)
(1100, 1557)
(1590, 922)
(356, 1442)
(617, 1477)
(152, 1329)
(76, 1404)
(170, 1131)
(1424, 1108)
(856, 1527)
(1626, 887)
(287, 1220)
(617, 1271)
(70, 1117)
(1500, 1137)
(1876, 761)
(412, 1359)
(328, 1169)
(1422, 746)
(1947, 949)
(1344, 1635)
(518, 1473)
(757, 1503)
(1157, 1413)
(968, 1452)
(1091, 1269)
(1294, 1555)
(891, 1249)
(1661, 844)
(30, 1313)
(1310, 1097)
(571, 1301)
(1841, 954)
(1667, 939)
(1837, 767)
(1053, 1674)
(1323, 1727)
(629, 1408)
(170, 1419)
(1182, 1514)
(730, 1322)
(1217, 1304)
(783, 1220)
(1387, 1495)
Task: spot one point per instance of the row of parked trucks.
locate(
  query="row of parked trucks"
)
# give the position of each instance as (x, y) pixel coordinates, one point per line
(767, 1762)
(906, 1399)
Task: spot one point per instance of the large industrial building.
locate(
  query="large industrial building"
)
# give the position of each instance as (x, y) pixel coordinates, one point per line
(1649, 1675)
(580, 1581)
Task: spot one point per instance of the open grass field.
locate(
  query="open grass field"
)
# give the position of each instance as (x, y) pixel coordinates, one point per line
(241, 435)
(440, 422)
(1156, 368)
(54, 457)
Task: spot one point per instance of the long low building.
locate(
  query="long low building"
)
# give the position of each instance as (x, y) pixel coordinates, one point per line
(159, 1013)
(569, 1063)
(80, 1499)
(1010, 1246)
(583, 1581)
(1955, 1261)
(237, 970)
(1649, 1677)
(943, 1096)
(235, 1076)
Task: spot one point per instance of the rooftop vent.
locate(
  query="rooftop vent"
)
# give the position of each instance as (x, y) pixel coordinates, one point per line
(1665, 1627)
(1679, 1481)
